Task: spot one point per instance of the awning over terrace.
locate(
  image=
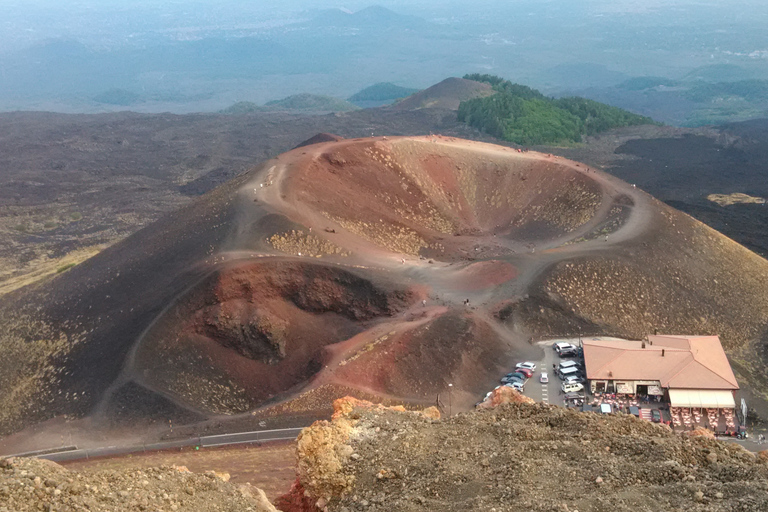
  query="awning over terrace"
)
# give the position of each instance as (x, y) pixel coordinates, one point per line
(709, 398)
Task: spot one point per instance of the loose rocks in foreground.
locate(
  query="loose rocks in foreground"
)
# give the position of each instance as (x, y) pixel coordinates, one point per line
(33, 485)
(521, 457)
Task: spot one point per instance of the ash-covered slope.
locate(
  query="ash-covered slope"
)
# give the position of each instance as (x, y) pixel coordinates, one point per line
(346, 266)
(517, 457)
(447, 94)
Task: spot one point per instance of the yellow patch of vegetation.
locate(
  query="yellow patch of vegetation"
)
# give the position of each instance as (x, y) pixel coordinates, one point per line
(12, 277)
(737, 198)
(299, 243)
(395, 238)
(26, 370)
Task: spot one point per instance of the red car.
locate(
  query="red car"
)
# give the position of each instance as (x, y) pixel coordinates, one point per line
(525, 371)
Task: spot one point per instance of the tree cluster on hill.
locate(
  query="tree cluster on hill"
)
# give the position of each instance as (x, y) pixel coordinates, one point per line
(520, 114)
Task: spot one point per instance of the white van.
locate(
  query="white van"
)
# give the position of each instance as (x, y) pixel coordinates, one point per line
(567, 372)
(559, 347)
(571, 388)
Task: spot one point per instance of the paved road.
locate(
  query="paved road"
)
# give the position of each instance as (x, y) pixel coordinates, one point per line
(545, 392)
(73, 453)
(549, 392)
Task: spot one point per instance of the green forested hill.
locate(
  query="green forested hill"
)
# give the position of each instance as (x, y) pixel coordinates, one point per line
(523, 115)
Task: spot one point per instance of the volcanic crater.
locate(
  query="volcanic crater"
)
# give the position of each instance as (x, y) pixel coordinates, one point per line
(258, 328)
(384, 267)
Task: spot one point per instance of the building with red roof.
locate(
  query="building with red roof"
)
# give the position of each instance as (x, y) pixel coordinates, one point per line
(690, 371)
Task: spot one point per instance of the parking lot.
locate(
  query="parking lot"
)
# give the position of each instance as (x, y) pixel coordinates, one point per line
(546, 392)
(550, 392)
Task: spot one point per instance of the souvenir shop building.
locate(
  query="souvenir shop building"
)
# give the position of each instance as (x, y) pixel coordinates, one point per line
(689, 372)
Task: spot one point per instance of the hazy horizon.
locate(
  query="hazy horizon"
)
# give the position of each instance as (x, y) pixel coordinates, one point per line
(203, 55)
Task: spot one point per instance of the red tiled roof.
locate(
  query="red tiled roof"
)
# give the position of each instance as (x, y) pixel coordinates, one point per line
(689, 362)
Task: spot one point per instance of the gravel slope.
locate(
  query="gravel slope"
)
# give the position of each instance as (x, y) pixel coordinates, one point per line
(522, 457)
(31, 484)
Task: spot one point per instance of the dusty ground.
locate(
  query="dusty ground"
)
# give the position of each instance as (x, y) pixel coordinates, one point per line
(522, 456)
(347, 265)
(32, 485)
(683, 167)
(72, 185)
(75, 184)
(447, 94)
(270, 467)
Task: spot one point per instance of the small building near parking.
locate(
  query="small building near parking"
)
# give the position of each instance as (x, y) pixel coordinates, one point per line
(690, 372)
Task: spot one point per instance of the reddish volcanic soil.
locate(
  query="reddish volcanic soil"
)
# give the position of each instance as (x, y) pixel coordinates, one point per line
(271, 467)
(447, 94)
(484, 274)
(386, 268)
(264, 325)
(350, 268)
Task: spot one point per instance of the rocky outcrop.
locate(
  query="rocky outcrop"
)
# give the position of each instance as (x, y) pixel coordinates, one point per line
(504, 395)
(239, 325)
(539, 457)
(701, 432)
(325, 450)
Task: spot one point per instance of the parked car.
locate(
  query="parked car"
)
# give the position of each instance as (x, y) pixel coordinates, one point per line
(560, 347)
(634, 411)
(525, 371)
(569, 372)
(513, 377)
(544, 377)
(568, 364)
(655, 416)
(517, 386)
(574, 379)
(527, 364)
(606, 409)
(587, 408)
(568, 388)
(569, 352)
